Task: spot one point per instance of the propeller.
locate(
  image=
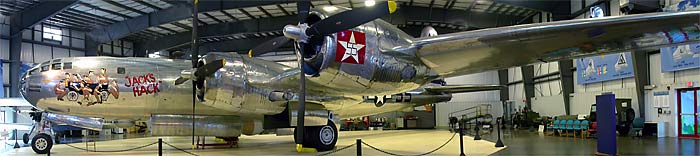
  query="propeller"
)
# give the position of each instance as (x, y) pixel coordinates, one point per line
(333, 24)
(268, 46)
(201, 72)
(351, 19)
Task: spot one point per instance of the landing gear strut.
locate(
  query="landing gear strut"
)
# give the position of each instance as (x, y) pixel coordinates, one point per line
(322, 138)
(41, 134)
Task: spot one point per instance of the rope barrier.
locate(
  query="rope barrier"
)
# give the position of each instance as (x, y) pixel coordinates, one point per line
(394, 154)
(337, 150)
(10, 144)
(181, 150)
(124, 150)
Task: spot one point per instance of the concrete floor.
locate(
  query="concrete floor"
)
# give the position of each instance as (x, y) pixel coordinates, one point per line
(409, 142)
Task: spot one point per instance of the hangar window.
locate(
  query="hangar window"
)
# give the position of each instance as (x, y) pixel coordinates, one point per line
(56, 66)
(68, 65)
(52, 34)
(121, 70)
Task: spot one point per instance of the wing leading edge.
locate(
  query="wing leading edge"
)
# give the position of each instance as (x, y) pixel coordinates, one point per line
(498, 48)
(463, 88)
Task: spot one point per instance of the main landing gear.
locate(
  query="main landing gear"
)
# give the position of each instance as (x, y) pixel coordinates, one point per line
(322, 138)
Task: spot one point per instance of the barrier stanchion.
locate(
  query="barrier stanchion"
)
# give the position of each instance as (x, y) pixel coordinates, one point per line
(477, 136)
(461, 140)
(358, 142)
(16, 144)
(499, 143)
(160, 147)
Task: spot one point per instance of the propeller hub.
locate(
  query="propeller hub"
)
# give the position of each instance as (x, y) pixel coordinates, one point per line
(296, 32)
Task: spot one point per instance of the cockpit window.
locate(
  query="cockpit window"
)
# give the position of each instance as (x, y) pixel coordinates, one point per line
(44, 68)
(32, 72)
(56, 66)
(68, 65)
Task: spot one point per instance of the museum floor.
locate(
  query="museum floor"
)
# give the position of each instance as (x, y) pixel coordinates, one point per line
(401, 142)
(523, 142)
(411, 142)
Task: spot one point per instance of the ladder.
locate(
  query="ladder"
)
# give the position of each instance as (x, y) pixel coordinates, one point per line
(90, 140)
(473, 116)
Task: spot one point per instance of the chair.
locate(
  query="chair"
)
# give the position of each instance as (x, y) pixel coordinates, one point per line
(554, 127)
(584, 128)
(637, 126)
(576, 127)
(593, 129)
(569, 126)
(560, 127)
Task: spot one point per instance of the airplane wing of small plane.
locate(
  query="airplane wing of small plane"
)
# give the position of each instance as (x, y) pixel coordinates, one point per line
(463, 88)
(497, 48)
(14, 102)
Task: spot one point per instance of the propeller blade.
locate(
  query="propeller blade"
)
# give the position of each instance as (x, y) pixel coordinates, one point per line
(268, 46)
(209, 68)
(303, 7)
(351, 18)
(181, 80)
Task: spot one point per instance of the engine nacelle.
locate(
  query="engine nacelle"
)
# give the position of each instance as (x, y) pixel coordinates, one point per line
(205, 125)
(231, 89)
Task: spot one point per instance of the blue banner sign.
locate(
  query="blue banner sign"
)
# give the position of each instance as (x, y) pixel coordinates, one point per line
(604, 68)
(682, 57)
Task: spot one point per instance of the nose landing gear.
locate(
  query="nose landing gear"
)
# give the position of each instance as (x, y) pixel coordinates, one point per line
(41, 134)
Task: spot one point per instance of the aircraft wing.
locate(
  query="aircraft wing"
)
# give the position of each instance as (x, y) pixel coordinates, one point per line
(463, 88)
(14, 102)
(498, 48)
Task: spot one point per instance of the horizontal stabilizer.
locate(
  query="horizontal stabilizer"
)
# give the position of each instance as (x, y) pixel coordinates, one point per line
(463, 88)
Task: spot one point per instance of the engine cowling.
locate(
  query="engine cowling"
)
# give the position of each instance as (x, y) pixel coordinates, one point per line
(316, 49)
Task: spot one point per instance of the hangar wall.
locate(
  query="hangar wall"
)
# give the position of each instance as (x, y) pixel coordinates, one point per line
(5, 50)
(465, 100)
(548, 100)
(667, 81)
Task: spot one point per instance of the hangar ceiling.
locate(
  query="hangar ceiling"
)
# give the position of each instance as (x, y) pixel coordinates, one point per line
(223, 21)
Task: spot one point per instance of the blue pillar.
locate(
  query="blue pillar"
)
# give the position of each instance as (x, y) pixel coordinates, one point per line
(605, 116)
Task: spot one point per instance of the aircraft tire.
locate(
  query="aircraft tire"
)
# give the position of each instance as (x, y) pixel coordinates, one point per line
(25, 138)
(42, 143)
(323, 138)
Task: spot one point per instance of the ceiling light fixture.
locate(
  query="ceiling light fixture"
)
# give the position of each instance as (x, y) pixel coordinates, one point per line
(369, 3)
